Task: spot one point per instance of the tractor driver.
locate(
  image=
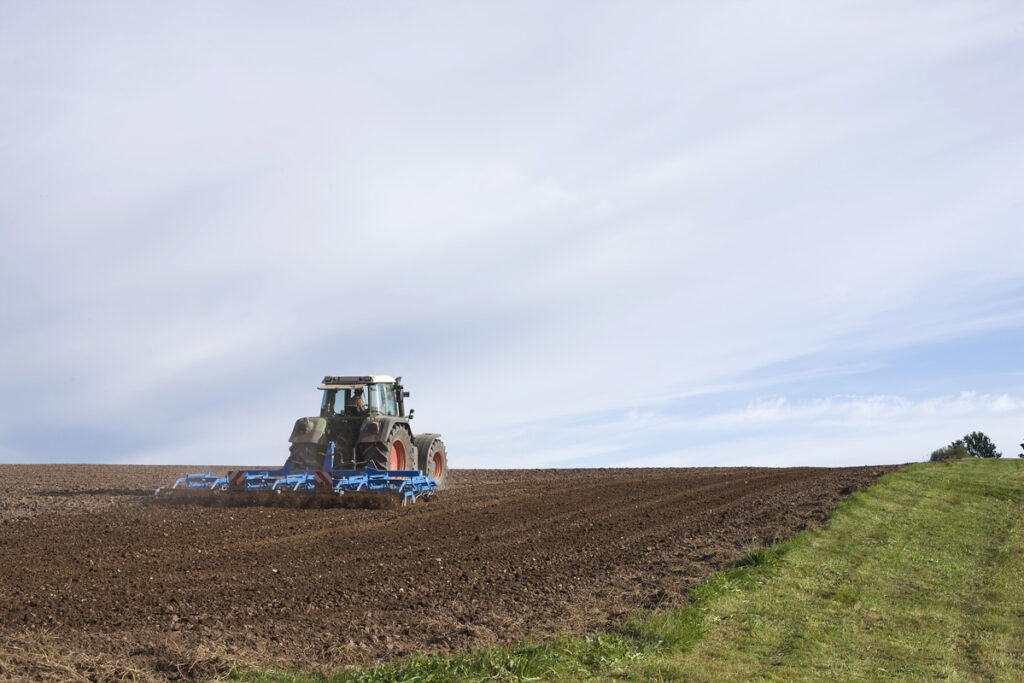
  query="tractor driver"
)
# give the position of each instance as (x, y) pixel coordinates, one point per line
(354, 404)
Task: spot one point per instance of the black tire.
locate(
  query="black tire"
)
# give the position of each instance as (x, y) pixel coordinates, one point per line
(433, 458)
(393, 453)
(305, 456)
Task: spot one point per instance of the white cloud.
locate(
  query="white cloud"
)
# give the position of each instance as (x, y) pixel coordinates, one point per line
(860, 411)
(529, 213)
(833, 431)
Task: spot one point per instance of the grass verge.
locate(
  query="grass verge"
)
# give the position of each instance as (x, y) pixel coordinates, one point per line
(921, 577)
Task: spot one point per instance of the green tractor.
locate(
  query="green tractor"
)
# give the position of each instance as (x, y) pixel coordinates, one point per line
(365, 419)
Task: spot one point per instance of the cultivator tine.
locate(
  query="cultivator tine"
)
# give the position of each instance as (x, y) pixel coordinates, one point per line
(194, 482)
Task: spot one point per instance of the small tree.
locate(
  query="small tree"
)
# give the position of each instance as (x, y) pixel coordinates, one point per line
(980, 446)
(954, 451)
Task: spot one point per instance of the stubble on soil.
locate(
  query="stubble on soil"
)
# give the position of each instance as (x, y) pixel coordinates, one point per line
(96, 582)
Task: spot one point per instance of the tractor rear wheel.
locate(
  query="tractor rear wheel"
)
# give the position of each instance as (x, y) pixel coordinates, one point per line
(305, 456)
(393, 453)
(433, 459)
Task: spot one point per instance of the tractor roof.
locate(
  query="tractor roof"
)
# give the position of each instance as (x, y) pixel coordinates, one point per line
(351, 381)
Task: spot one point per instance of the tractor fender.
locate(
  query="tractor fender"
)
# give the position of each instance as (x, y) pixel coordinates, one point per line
(309, 430)
(421, 444)
(372, 431)
(423, 441)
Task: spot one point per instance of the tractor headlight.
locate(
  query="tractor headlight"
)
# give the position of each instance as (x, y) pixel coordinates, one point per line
(370, 428)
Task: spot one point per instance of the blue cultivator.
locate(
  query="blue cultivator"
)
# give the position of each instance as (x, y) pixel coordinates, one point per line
(405, 485)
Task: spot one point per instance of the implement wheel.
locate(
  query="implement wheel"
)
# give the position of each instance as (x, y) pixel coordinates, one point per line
(433, 458)
(392, 453)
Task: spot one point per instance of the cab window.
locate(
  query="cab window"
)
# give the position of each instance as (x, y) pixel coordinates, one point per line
(373, 402)
(390, 408)
(333, 403)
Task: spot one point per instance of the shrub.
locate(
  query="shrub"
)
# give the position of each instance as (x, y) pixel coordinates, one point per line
(954, 451)
(980, 446)
(974, 445)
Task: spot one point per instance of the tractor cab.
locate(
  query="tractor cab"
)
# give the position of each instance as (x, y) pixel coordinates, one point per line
(361, 397)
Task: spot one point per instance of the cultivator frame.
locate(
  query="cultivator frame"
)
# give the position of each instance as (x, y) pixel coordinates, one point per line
(408, 485)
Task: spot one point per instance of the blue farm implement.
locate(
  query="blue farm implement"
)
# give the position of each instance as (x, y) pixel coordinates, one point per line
(405, 486)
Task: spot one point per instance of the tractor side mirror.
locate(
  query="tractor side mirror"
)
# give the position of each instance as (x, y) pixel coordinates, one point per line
(405, 394)
(411, 412)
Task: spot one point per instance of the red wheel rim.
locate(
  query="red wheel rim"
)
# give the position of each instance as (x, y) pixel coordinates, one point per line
(396, 459)
(437, 462)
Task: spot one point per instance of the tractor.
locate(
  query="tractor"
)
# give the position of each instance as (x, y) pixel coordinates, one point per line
(363, 424)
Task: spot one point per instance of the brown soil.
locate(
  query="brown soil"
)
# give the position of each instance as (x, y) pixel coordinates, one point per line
(96, 582)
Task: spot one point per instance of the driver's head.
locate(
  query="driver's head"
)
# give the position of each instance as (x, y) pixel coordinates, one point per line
(359, 391)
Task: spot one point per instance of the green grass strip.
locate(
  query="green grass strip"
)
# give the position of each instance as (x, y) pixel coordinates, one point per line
(920, 577)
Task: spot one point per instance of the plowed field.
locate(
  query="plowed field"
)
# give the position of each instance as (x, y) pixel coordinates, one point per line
(97, 581)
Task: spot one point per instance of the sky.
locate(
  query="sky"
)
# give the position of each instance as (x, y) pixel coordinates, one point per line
(587, 234)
